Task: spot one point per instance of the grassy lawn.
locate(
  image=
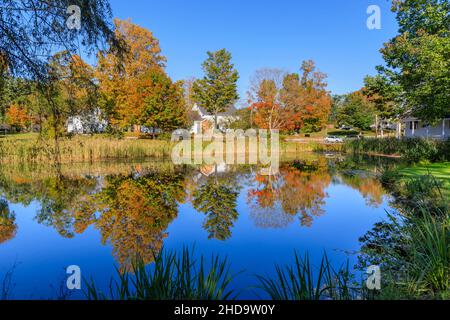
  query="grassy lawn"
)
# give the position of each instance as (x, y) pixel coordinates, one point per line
(20, 136)
(439, 170)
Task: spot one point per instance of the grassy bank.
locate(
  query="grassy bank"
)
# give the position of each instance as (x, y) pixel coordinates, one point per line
(411, 150)
(31, 148)
(440, 171)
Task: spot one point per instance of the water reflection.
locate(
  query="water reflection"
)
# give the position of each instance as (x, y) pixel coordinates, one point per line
(298, 190)
(132, 205)
(8, 226)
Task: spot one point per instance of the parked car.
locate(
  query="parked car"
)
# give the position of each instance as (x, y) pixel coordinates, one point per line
(333, 139)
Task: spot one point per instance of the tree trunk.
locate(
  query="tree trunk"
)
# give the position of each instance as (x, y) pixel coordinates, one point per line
(215, 121)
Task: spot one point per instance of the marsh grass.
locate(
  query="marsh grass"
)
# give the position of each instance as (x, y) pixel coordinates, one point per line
(81, 148)
(302, 281)
(173, 276)
(7, 284)
(413, 150)
(35, 149)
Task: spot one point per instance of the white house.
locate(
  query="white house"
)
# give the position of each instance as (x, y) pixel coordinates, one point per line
(90, 123)
(415, 127)
(205, 118)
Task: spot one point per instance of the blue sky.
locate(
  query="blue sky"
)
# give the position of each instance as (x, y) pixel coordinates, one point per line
(266, 33)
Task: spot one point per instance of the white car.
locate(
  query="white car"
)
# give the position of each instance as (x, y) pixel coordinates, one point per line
(334, 139)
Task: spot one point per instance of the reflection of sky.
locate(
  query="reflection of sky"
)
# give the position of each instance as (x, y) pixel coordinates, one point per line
(41, 254)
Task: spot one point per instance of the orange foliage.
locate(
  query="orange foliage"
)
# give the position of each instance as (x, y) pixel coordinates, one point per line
(16, 116)
(271, 116)
(121, 78)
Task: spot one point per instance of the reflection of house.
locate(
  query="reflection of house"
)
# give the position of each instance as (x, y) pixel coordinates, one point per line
(90, 123)
(208, 170)
(420, 129)
(204, 120)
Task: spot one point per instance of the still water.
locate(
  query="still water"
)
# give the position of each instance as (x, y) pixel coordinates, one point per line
(99, 216)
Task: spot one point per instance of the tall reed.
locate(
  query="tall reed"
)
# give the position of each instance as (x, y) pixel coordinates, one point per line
(173, 276)
(301, 282)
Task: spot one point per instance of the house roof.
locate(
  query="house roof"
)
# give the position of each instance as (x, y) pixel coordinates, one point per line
(231, 110)
(409, 119)
(5, 126)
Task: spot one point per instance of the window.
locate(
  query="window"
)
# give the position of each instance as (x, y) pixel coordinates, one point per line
(413, 125)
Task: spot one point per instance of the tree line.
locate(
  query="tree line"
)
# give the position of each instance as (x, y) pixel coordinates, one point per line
(129, 86)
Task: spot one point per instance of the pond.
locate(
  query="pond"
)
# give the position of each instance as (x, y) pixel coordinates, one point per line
(100, 216)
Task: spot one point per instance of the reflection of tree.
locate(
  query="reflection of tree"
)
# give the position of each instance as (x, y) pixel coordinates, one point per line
(8, 226)
(133, 213)
(370, 188)
(298, 189)
(270, 217)
(217, 200)
(57, 195)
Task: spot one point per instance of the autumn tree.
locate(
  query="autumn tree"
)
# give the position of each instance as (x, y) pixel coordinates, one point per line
(217, 90)
(135, 90)
(71, 91)
(306, 97)
(17, 117)
(268, 112)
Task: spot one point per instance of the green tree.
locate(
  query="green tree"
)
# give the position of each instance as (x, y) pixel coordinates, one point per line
(337, 102)
(418, 59)
(32, 31)
(356, 111)
(218, 89)
(164, 107)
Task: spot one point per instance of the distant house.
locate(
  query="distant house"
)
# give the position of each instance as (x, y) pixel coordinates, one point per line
(5, 128)
(415, 127)
(204, 120)
(87, 124)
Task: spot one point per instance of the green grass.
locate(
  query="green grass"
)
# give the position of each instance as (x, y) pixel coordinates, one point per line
(441, 171)
(20, 136)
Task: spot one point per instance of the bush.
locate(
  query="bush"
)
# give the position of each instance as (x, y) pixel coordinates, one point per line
(412, 150)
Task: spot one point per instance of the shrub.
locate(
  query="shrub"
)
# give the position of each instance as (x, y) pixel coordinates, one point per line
(412, 150)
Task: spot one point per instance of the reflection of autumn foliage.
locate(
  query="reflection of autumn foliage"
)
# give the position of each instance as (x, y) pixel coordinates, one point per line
(8, 226)
(58, 197)
(56, 194)
(370, 188)
(293, 191)
(134, 213)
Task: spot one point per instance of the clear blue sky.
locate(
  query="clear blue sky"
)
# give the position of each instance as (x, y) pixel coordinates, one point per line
(266, 33)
